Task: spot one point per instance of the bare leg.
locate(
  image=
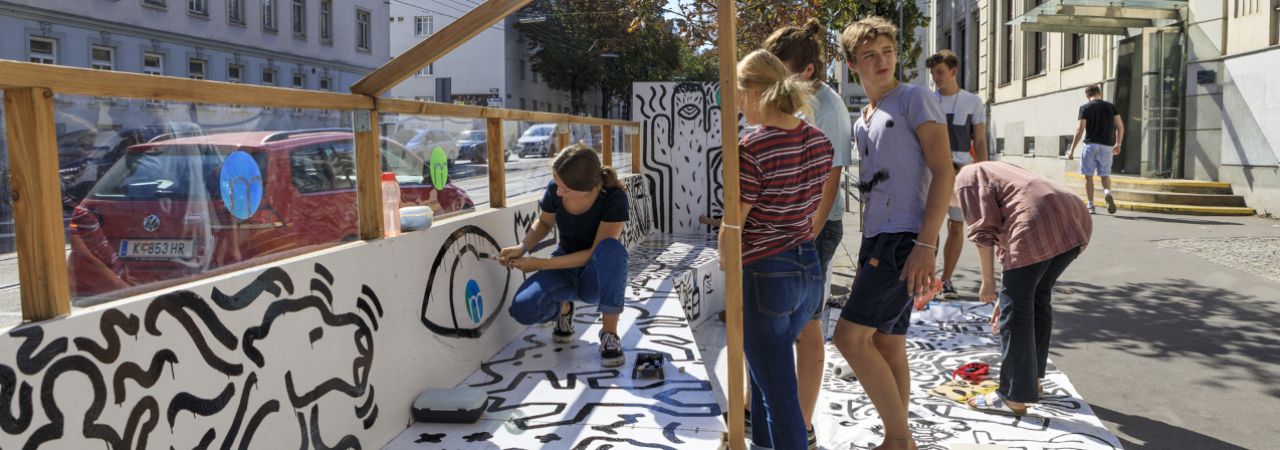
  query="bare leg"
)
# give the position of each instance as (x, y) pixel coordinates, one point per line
(810, 353)
(894, 350)
(878, 380)
(610, 323)
(1106, 184)
(951, 253)
(1088, 186)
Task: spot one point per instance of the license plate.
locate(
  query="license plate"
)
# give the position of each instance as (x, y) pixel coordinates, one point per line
(153, 248)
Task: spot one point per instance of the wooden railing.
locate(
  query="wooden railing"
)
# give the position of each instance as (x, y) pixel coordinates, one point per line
(29, 121)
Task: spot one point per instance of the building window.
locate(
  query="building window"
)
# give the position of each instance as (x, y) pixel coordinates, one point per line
(534, 74)
(1039, 45)
(522, 71)
(425, 99)
(523, 105)
(422, 25)
(269, 15)
(364, 30)
(299, 80)
(235, 73)
(326, 21)
(1075, 50)
(195, 69)
(235, 11)
(427, 71)
(198, 7)
(326, 84)
(1006, 60)
(300, 18)
(102, 58)
(43, 50)
(153, 64)
(154, 3)
(269, 77)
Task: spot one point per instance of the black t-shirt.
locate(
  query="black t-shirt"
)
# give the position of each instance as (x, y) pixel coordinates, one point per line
(578, 232)
(1099, 122)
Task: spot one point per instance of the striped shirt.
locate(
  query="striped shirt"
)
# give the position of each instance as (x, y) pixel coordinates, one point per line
(782, 173)
(1027, 217)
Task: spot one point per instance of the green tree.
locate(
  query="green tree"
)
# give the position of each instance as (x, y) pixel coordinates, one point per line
(578, 45)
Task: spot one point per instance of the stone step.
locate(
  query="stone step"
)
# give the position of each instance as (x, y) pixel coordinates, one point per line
(1159, 185)
(1190, 210)
(1167, 198)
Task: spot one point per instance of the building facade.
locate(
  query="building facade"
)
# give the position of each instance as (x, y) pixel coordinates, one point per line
(491, 69)
(1189, 78)
(306, 44)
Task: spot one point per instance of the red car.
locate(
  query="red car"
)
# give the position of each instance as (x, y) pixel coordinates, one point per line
(162, 212)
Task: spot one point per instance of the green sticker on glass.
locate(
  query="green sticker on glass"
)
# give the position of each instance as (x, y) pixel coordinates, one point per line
(439, 167)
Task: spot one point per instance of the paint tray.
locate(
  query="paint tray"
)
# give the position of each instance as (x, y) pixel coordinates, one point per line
(455, 405)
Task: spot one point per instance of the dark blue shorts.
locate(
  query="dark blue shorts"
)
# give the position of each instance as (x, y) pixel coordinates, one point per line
(878, 299)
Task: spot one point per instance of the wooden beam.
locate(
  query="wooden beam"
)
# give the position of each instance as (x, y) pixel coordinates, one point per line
(563, 139)
(435, 46)
(731, 249)
(606, 145)
(105, 83)
(633, 141)
(37, 203)
(369, 174)
(497, 163)
(387, 105)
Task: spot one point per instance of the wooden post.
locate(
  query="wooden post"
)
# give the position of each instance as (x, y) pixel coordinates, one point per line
(369, 173)
(37, 203)
(606, 144)
(563, 139)
(497, 163)
(634, 141)
(731, 251)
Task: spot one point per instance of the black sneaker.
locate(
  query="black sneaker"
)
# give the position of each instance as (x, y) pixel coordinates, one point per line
(564, 327)
(611, 350)
(813, 439)
(1111, 204)
(949, 291)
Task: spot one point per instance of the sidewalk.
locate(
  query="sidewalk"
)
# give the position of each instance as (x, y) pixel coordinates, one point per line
(1169, 326)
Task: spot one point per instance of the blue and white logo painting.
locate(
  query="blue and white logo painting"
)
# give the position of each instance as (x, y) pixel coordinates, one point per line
(475, 303)
(241, 185)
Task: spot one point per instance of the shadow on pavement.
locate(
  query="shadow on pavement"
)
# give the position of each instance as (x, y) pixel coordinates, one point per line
(1175, 319)
(1156, 434)
(1180, 220)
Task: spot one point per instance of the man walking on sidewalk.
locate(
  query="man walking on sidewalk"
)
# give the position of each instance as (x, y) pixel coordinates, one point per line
(1103, 131)
(966, 127)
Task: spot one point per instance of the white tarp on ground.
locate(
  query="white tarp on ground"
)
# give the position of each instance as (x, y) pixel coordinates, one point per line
(947, 336)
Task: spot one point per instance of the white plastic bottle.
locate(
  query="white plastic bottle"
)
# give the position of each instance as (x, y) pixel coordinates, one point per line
(390, 204)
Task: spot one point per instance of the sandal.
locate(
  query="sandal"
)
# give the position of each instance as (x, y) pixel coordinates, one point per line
(994, 404)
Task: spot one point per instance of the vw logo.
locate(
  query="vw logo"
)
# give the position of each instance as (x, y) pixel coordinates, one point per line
(151, 223)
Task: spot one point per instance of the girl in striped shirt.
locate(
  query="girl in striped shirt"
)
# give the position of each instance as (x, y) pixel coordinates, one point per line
(783, 166)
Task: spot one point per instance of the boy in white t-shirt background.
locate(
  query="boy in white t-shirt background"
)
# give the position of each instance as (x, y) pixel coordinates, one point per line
(966, 129)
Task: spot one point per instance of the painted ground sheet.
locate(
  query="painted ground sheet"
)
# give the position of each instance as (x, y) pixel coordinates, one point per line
(942, 338)
(557, 396)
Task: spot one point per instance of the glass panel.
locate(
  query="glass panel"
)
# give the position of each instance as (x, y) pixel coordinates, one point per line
(155, 193)
(437, 161)
(10, 299)
(621, 151)
(534, 145)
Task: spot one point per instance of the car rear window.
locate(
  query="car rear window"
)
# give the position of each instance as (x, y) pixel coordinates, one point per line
(178, 172)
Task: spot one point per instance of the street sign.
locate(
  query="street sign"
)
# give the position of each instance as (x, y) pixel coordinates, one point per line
(495, 102)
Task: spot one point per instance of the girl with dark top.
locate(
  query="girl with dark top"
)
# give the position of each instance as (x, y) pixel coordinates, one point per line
(587, 205)
(784, 164)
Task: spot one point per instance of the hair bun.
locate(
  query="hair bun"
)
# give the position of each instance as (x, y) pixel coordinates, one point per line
(813, 28)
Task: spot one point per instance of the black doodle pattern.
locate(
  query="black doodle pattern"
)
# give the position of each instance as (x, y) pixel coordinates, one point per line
(683, 161)
(202, 328)
(935, 348)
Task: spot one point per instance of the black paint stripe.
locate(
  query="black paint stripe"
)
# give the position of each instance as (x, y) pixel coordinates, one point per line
(316, 334)
(206, 440)
(185, 401)
(368, 292)
(330, 385)
(272, 280)
(364, 306)
(175, 305)
(279, 308)
(587, 443)
(363, 409)
(323, 290)
(240, 409)
(324, 272)
(302, 432)
(148, 405)
(111, 319)
(132, 371)
(9, 384)
(33, 335)
(372, 419)
(347, 442)
(254, 422)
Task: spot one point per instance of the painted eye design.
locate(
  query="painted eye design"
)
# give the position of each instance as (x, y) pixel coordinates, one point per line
(454, 304)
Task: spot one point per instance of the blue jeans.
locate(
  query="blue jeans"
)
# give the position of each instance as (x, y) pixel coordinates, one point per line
(828, 241)
(1026, 323)
(779, 294)
(602, 282)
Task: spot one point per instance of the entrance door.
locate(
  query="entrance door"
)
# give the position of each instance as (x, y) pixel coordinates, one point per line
(1128, 101)
(1163, 124)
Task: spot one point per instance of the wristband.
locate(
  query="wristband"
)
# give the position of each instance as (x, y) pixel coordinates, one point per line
(923, 244)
